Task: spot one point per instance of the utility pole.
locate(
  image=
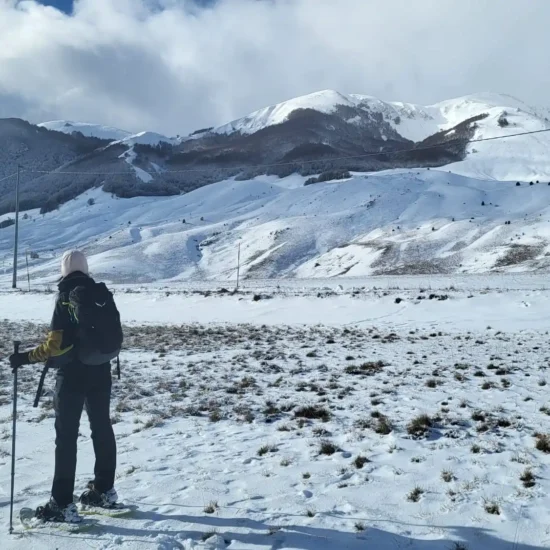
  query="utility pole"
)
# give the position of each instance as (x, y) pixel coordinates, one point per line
(238, 265)
(14, 283)
(28, 274)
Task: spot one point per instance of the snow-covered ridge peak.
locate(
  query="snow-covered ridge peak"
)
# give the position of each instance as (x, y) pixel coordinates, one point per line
(324, 101)
(116, 135)
(415, 122)
(489, 99)
(87, 129)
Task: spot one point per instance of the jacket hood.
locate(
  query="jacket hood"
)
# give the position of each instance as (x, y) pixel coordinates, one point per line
(73, 280)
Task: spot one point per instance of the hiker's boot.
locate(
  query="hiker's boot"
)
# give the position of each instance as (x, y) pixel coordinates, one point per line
(59, 514)
(93, 497)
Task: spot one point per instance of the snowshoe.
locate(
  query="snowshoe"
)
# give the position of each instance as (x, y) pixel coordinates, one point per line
(92, 497)
(52, 516)
(92, 502)
(52, 512)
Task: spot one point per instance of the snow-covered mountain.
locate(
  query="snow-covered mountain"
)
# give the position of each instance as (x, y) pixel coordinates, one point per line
(411, 208)
(328, 124)
(322, 132)
(414, 122)
(516, 158)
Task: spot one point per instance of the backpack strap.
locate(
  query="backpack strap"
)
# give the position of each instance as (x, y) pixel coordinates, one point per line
(41, 384)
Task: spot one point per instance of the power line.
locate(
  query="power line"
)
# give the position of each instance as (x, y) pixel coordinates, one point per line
(294, 163)
(508, 136)
(8, 177)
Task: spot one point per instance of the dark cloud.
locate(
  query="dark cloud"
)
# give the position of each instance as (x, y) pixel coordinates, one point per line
(167, 66)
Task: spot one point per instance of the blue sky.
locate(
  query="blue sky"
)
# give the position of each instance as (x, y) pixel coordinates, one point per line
(67, 5)
(63, 5)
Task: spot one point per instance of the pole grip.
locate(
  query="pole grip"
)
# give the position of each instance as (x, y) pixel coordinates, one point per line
(16, 345)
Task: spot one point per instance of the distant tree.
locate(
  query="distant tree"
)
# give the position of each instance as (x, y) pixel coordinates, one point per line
(91, 201)
(518, 184)
(329, 175)
(482, 203)
(503, 122)
(6, 223)
(50, 205)
(202, 131)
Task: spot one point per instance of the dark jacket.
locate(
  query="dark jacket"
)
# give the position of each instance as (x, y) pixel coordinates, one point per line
(62, 338)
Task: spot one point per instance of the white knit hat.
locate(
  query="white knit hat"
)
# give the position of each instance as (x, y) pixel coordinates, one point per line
(73, 260)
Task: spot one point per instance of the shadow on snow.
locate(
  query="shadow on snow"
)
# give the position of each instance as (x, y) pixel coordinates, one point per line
(303, 537)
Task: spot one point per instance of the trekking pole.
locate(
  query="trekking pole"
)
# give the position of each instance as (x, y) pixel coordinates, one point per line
(16, 345)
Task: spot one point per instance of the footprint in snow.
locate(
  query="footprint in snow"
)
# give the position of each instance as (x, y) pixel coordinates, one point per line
(168, 543)
(525, 304)
(215, 542)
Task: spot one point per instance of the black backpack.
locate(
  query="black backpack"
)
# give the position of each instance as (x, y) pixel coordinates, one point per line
(99, 333)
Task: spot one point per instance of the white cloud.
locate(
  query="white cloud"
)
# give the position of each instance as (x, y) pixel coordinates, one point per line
(167, 66)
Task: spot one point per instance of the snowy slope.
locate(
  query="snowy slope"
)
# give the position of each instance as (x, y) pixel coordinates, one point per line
(129, 157)
(142, 138)
(517, 158)
(86, 128)
(392, 223)
(146, 138)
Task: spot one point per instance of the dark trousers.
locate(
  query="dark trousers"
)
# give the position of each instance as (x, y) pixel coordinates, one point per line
(80, 386)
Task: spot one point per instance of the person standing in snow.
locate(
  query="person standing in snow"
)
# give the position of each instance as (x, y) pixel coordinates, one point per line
(85, 332)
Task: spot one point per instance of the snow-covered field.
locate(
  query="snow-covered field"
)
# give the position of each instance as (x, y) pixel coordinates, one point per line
(290, 415)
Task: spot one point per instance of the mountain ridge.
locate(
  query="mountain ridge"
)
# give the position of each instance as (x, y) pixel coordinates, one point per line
(326, 131)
